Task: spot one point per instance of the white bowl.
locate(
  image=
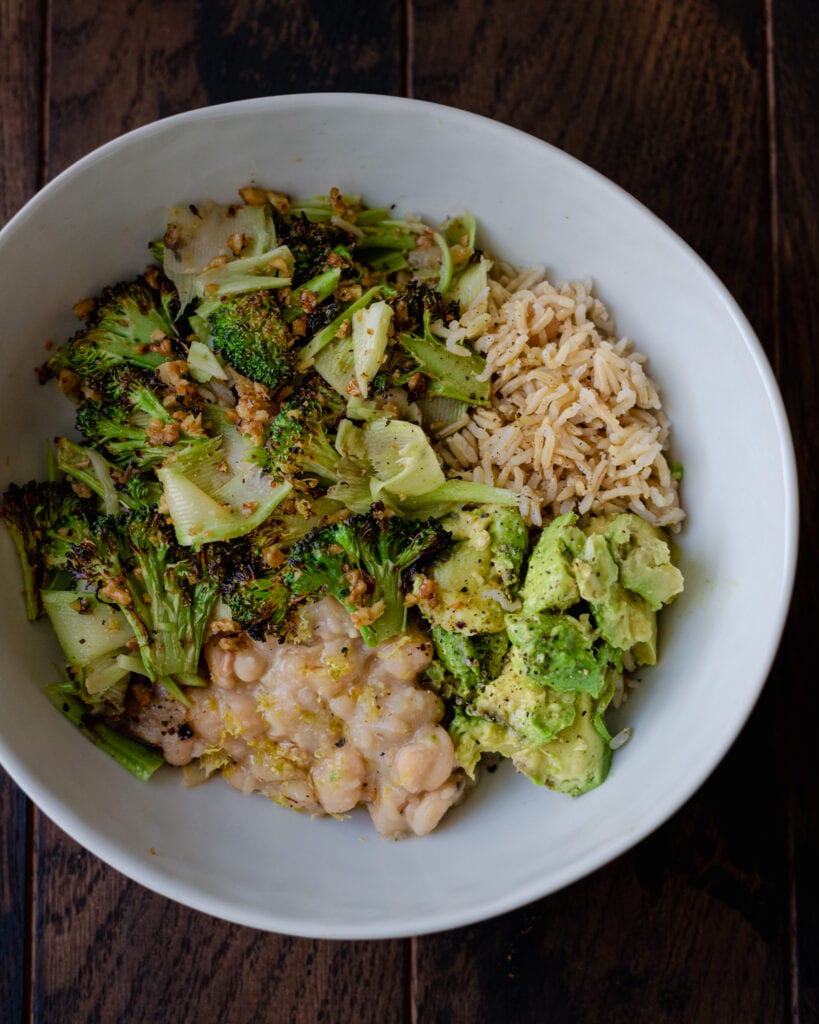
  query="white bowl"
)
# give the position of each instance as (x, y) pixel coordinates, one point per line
(245, 859)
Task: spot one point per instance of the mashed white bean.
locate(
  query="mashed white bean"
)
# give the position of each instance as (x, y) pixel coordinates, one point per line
(321, 726)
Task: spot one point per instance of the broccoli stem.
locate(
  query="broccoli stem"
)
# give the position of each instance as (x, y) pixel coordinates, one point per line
(140, 759)
(445, 277)
(326, 334)
(387, 239)
(393, 620)
(323, 285)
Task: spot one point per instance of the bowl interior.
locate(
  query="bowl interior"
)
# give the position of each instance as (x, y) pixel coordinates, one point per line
(248, 860)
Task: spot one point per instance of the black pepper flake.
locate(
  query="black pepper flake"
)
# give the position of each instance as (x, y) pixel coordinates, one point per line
(341, 742)
(185, 732)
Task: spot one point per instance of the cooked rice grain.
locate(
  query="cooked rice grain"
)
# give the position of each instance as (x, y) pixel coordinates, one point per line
(576, 423)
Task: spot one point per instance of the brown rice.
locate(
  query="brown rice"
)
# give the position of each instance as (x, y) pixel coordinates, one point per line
(575, 423)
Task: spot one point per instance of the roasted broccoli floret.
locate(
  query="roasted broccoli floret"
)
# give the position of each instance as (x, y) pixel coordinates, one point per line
(362, 562)
(255, 594)
(249, 332)
(311, 243)
(129, 420)
(299, 441)
(165, 592)
(44, 520)
(421, 300)
(131, 323)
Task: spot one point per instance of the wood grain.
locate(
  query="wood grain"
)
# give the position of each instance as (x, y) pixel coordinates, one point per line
(21, 30)
(114, 67)
(796, 85)
(112, 951)
(270, 47)
(692, 924)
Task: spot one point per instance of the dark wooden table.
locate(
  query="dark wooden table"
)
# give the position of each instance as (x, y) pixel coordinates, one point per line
(706, 110)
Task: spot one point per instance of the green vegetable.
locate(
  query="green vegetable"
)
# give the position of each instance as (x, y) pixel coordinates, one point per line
(264, 272)
(574, 761)
(322, 338)
(370, 339)
(450, 375)
(140, 759)
(298, 443)
(361, 561)
(128, 418)
(248, 331)
(256, 596)
(468, 661)
(125, 326)
(87, 629)
(166, 594)
(203, 364)
(44, 520)
(562, 651)
(217, 491)
(473, 586)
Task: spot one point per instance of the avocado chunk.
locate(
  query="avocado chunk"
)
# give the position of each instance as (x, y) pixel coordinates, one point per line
(467, 661)
(472, 737)
(579, 757)
(623, 617)
(459, 593)
(510, 543)
(574, 761)
(550, 582)
(563, 652)
(644, 558)
(589, 600)
(535, 712)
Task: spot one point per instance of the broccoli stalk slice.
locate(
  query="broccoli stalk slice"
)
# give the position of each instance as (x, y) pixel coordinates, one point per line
(322, 285)
(267, 270)
(450, 375)
(361, 562)
(372, 215)
(200, 518)
(87, 466)
(387, 261)
(445, 275)
(389, 238)
(140, 759)
(326, 334)
(86, 628)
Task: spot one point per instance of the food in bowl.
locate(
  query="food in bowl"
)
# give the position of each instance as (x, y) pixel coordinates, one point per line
(353, 507)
